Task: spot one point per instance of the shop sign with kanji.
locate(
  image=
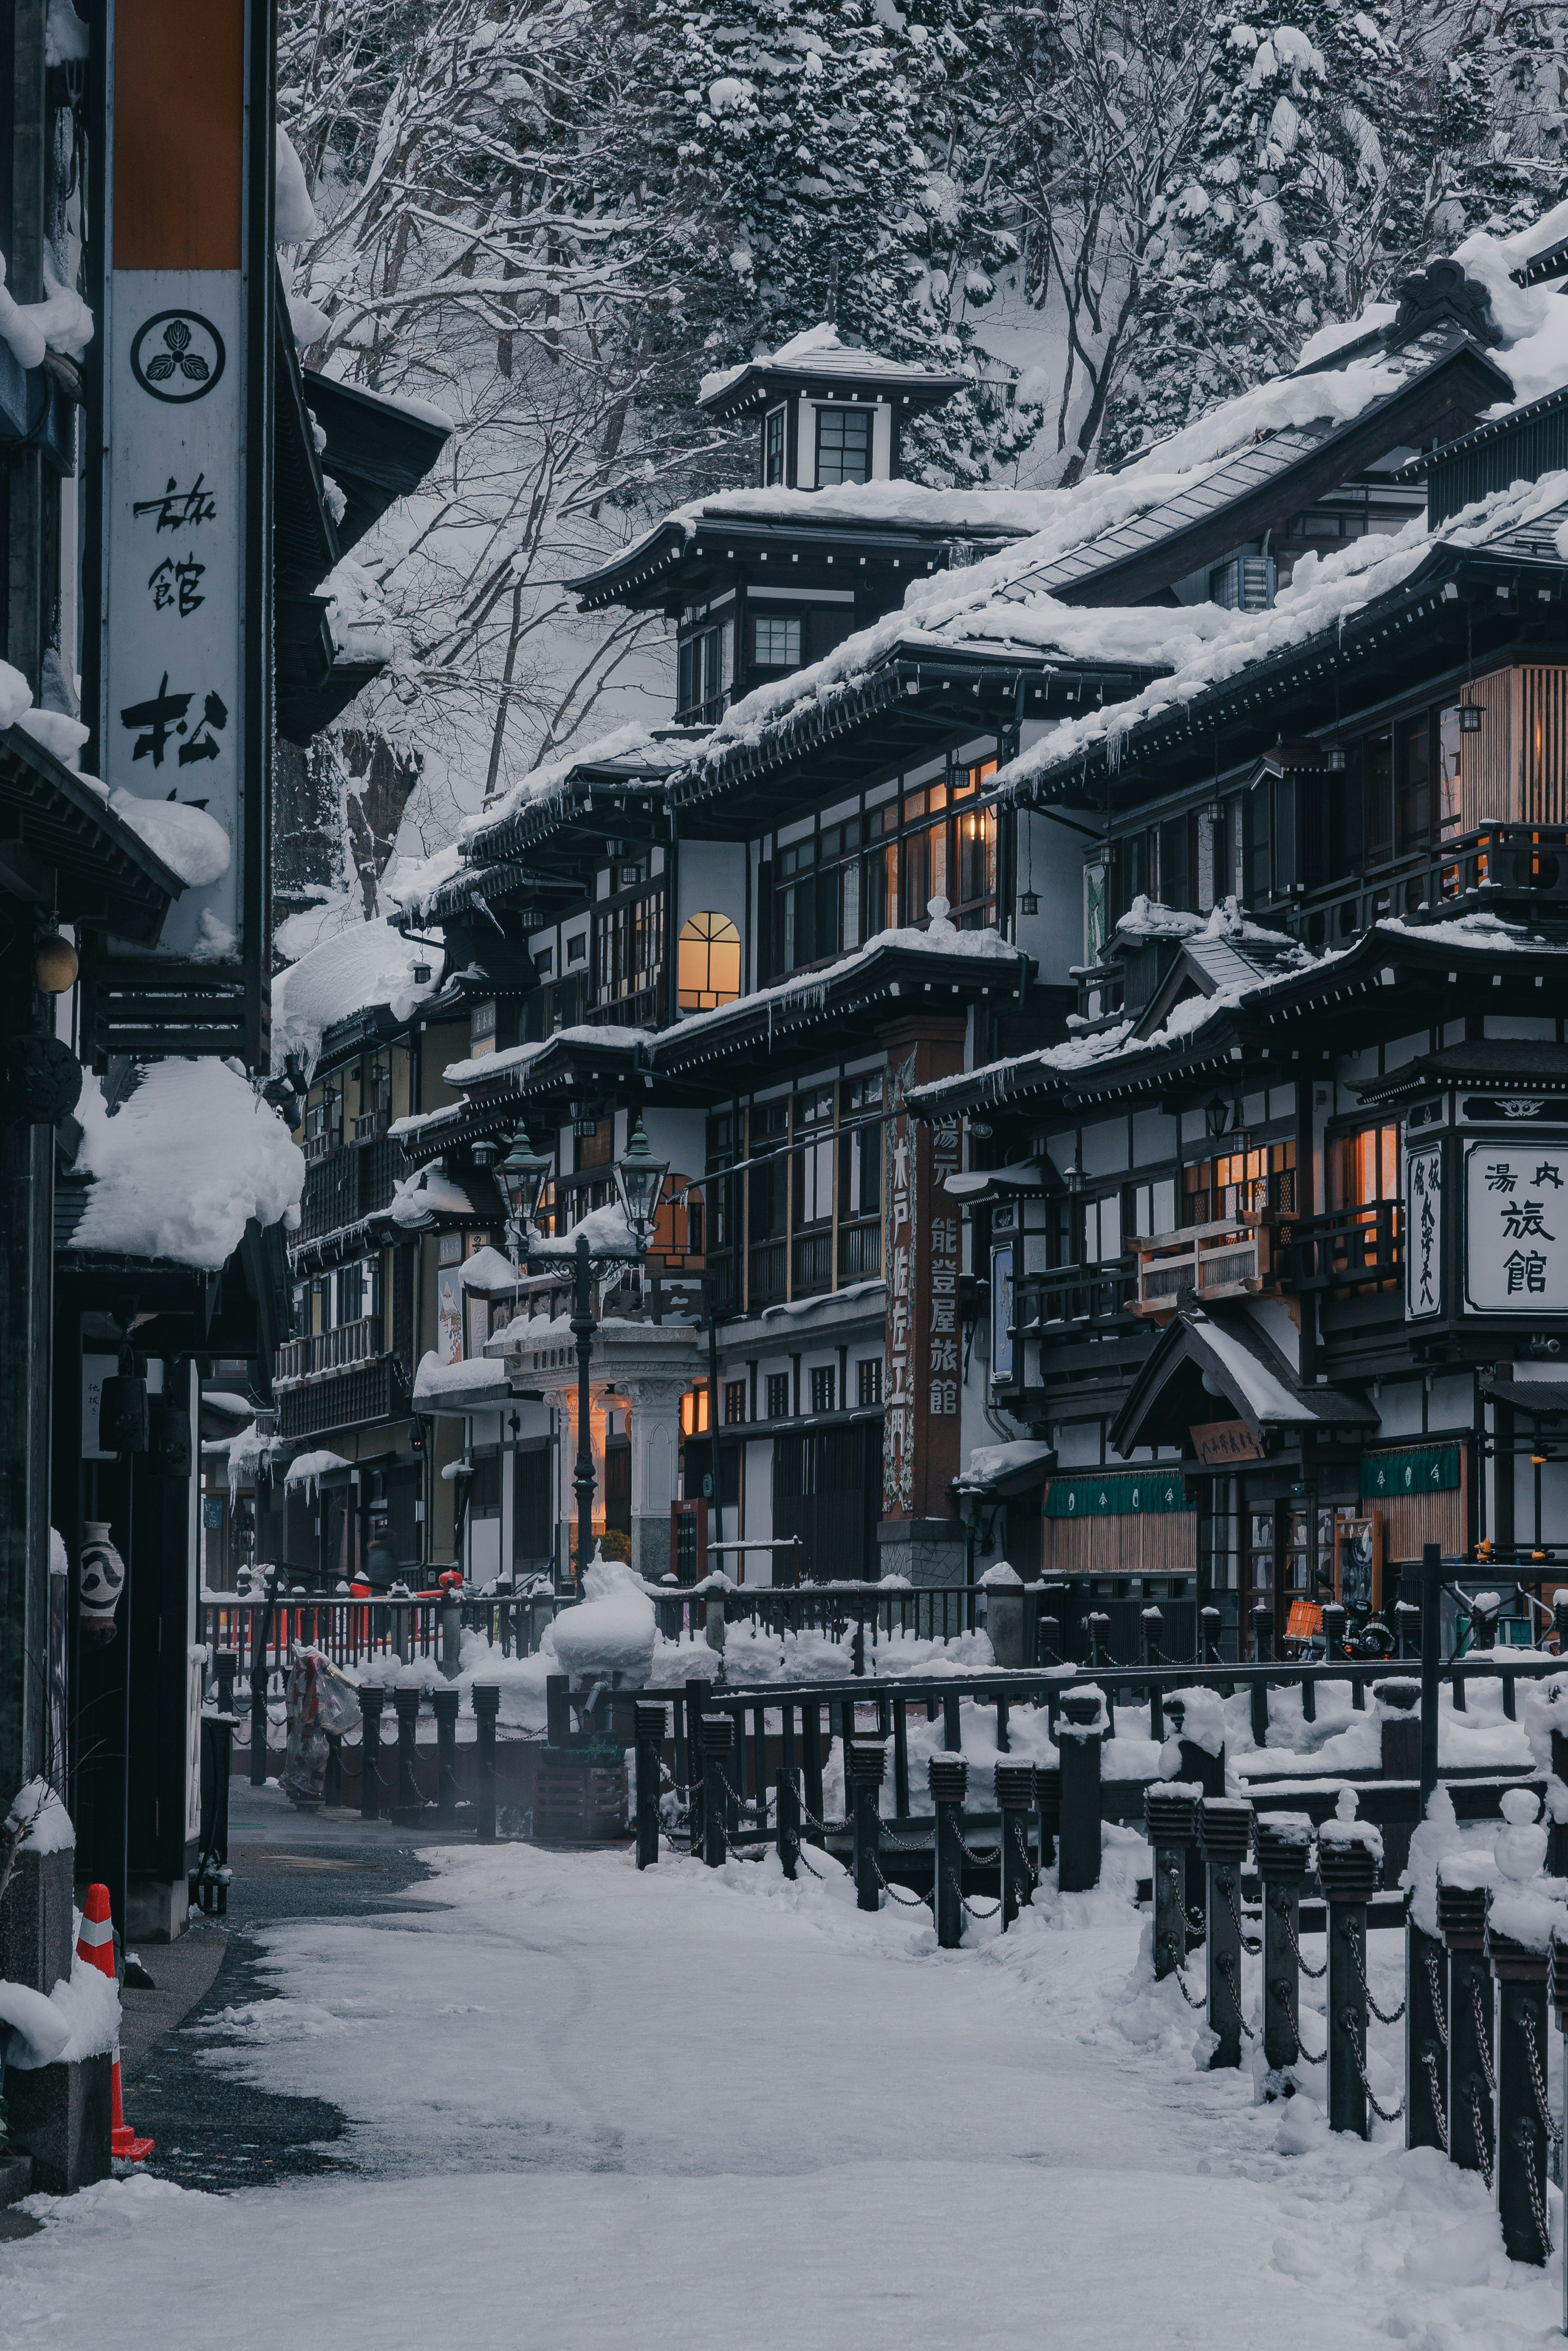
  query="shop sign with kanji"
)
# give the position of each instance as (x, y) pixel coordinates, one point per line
(1516, 1226)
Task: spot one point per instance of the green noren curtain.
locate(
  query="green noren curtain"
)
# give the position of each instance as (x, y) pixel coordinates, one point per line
(1146, 1492)
(1414, 1470)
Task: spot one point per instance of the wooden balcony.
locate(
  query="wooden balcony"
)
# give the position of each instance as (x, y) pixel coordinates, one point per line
(1231, 1259)
(1080, 1318)
(346, 1396)
(327, 1351)
(1349, 1250)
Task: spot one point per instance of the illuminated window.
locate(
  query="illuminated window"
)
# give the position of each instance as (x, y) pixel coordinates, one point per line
(709, 968)
(695, 1413)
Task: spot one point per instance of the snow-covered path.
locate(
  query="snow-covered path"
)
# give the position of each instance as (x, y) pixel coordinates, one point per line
(716, 2110)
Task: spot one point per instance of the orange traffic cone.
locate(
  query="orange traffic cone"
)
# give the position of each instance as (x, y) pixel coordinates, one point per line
(95, 1948)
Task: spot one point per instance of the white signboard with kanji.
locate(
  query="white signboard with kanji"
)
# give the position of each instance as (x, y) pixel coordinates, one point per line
(1516, 1226)
(1423, 1231)
(175, 718)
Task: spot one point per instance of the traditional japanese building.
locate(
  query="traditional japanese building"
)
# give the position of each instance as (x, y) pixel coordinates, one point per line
(869, 870)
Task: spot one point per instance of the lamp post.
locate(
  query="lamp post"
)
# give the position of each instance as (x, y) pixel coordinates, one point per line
(640, 1180)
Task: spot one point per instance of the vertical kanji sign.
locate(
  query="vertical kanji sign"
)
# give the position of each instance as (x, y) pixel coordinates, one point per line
(1423, 1230)
(184, 662)
(922, 1254)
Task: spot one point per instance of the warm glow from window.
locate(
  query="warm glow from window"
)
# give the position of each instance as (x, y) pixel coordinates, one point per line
(695, 1413)
(708, 970)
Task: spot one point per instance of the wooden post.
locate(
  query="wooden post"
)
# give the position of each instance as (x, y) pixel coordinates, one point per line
(372, 1697)
(1431, 1660)
(1079, 1749)
(1225, 1826)
(648, 1721)
(1285, 1847)
(1522, 2140)
(717, 1733)
(900, 1758)
(786, 1822)
(949, 1779)
(405, 1699)
(1462, 1920)
(865, 1763)
(1170, 1824)
(446, 1703)
(1048, 1802)
(696, 1765)
(486, 1707)
(1015, 1800)
(1347, 1866)
(811, 1758)
(1427, 2006)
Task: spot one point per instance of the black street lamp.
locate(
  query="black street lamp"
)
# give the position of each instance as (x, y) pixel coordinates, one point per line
(640, 1180)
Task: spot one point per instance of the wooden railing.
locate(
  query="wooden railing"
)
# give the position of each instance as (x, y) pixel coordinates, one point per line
(1231, 1259)
(1350, 1248)
(1071, 1297)
(328, 1351)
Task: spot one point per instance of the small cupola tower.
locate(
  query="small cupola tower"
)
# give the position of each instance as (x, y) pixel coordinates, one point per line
(827, 412)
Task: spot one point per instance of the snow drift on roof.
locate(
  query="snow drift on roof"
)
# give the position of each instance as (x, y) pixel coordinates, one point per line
(817, 350)
(370, 964)
(183, 1165)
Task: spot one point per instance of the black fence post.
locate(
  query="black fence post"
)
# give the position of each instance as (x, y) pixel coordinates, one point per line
(648, 1723)
(1407, 1630)
(332, 1782)
(1048, 1804)
(1284, 1847)
(1152, 1624)
(1262, 1652)
(1079, 1748)
(786, 1822)
(953, 1724)
(696, 1765)
(1347, 1869)
(1099, 1625)
(558, 1709)
(1209, 1626)
(1462, 1920)
(718, 1737)
(811, 1764)
(372, 1698)
(1399, 1754)
(867, 1763)
(1522, 2095)
(1427, 2011)
(1431, 1664)
(486, 1707)
(258, 1698)
(1557, 1990)
(1015, 1801)
(1197, 1768)
(446, 1702)
(405, 1699)
(1170, 1824)
(1225, 1826)
(947, 1776)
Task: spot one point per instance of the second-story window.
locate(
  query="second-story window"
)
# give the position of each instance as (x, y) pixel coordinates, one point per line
(708, 962)
(813, 1166)
(861, 1173)
(773, 443)
(704, 673)
(1363, 1167)
(776, 640)
(630, 947)
(1103, 1228)
(842, 446)
(1238, 1182)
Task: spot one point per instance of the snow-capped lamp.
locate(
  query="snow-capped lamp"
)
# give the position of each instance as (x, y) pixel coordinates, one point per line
(523, 1174)
(640, 1180)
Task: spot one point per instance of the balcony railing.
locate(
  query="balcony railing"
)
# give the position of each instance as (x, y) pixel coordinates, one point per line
(813, 1262)
(1071, 1299)
(1231, 1259)
(348, 1185)
(328, 1351)
(860, 1251)
(769, 1266)
(1349, 1249)
(344, 1397)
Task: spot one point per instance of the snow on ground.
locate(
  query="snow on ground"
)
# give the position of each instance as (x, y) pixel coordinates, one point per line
(710, 2109)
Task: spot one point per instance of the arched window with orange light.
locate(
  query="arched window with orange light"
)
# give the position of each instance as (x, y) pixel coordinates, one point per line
(708, 964)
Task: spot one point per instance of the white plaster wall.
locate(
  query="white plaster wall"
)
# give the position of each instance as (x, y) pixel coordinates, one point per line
(1051, 862)
(711, 878)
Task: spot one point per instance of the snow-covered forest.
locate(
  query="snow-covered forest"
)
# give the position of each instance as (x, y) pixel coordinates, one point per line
(552, 220)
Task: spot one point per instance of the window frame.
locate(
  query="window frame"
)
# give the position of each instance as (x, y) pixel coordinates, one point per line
(842, 415)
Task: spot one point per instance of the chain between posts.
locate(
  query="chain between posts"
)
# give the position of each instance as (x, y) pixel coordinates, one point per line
(1228, 1969)
(975, 1909)
(1483, 2140)
(1366, 1989)
(1543, 2227)
(1483, 2036)
(910, 1901)
(1314, 1975)
(981, 1860)
(1358, 2052)
(1537, 2080)
(907, 1845)
(1431, 2062)
(1434, 1979)
(1180, 1975)
(1251, 1944)
(1303, 2051)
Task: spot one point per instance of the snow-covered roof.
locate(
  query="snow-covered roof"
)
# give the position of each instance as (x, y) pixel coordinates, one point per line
(184, 1163)
(822, 351)
(1323, 593)
(991, 1464)
(366, 965)
(607, 1037)
(458, 1387)
(639, 749)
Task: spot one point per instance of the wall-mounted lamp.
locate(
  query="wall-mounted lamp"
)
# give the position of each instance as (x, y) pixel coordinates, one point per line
(1216, 1115)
